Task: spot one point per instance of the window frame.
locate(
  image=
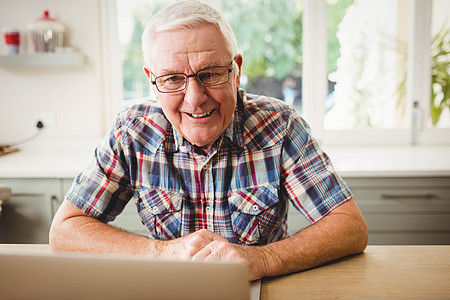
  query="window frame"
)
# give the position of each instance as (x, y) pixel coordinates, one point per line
(111, 68)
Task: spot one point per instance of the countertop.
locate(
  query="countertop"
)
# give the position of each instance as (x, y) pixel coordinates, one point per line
(65, 158)
(48, 158)
(391, 161)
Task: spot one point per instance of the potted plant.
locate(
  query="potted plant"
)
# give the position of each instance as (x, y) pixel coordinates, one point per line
(440, 75)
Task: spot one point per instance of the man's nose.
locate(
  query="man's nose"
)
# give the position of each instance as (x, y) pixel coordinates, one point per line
(195, 92)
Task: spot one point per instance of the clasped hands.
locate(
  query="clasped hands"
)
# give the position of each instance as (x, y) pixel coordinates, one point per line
(205, 245)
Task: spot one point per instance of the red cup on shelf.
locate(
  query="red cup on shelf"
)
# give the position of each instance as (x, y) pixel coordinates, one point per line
(12, 40)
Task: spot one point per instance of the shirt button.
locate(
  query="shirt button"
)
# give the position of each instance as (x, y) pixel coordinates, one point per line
(208, 208)
(255, 207)
(155, 209)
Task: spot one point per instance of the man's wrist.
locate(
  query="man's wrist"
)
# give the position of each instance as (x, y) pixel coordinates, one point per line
(155, 248)
(161, 247)
(271, 261)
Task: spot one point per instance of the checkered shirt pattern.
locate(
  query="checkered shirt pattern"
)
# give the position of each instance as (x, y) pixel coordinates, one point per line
(240, 189)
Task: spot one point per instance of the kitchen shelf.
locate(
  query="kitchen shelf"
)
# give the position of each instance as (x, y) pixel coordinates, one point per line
(43, 60)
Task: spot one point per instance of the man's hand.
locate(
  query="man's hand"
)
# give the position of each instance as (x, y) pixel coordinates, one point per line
(341, 233)
(252, 256)
(205, 245)
(186, 247)
(73, 231)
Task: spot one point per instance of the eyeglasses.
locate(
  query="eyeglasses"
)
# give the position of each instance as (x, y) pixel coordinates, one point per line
(177, 82)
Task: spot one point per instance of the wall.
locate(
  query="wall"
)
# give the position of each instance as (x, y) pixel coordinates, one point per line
(73, 95)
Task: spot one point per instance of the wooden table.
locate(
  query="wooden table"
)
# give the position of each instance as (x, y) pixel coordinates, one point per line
(381, 272)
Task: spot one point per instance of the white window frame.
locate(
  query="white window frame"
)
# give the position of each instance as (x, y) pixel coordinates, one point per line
(418, 80)
(111, 71)
(314, 76)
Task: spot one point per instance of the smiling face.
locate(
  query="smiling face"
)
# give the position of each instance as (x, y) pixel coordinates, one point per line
(201, 114)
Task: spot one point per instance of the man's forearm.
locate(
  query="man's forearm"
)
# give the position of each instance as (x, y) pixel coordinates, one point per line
(72, 231)
(341, 233)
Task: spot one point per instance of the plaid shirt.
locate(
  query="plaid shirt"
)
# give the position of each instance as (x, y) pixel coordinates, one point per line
(240, 189)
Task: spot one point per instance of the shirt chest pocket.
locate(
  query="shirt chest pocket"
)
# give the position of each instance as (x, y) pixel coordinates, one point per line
(255, 214)
(160, 211)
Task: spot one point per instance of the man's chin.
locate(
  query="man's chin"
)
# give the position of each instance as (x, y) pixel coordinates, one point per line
(202, 140)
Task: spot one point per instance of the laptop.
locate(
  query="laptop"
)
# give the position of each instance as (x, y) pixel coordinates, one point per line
(83, 276)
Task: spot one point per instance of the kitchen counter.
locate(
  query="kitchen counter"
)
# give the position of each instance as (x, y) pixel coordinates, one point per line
(65, 158)
(48, 158)
(391, 161)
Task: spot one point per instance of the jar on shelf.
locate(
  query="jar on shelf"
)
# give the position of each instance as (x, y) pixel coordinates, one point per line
(47, 33)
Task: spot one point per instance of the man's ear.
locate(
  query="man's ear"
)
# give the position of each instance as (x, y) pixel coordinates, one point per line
(238, 60)
(147, 72)
(155, 91)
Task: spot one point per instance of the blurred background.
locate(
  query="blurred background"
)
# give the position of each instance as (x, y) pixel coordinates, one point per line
(370, 77)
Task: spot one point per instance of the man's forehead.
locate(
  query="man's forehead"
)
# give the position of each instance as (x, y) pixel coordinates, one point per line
(167, 62)
(180, 68)
(201, 46)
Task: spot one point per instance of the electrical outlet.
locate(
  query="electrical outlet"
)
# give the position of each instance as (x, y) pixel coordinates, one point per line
(5, 193)
(47, 118)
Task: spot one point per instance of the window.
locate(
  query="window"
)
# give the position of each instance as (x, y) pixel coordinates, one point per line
(352, 68)
(132, 15)
(382, 69)
(367, 68)
(269, 36)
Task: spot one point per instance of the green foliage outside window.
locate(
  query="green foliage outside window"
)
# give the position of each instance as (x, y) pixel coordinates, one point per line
(336, 12)
(135, 82)
(269, 35)
(440, 77)
(440, 74)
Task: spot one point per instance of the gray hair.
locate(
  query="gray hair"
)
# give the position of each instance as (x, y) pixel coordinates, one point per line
(186, 14)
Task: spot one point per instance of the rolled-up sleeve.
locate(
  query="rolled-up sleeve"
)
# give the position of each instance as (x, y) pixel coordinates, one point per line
(103, 189)
(310, 180)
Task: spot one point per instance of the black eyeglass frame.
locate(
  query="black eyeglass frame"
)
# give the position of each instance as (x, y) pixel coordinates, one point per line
(229, 69)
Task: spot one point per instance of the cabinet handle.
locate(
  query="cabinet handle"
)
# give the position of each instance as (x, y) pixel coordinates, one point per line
(403, 196)
(54, 204)
(28, 194)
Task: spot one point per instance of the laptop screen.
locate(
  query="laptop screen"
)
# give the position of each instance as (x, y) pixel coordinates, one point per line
(82, 276)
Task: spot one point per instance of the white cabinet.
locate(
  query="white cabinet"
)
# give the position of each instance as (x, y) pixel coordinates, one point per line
(399, 210)
(26, 218)
(408, 210)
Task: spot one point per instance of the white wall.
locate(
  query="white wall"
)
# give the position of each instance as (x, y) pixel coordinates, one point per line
(72, 94)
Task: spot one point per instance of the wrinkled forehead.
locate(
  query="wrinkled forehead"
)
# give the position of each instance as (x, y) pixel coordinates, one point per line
(201, 46)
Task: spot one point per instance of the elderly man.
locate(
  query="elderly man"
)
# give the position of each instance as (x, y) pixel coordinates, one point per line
(211, 169)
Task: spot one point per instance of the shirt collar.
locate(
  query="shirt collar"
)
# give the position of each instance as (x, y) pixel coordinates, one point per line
(233, 134)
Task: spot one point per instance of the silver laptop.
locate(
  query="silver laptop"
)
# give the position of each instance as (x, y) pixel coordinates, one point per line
(82, 276)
